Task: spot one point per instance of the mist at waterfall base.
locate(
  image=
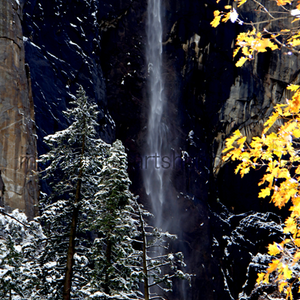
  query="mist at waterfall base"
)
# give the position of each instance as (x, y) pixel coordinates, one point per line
(159, 160)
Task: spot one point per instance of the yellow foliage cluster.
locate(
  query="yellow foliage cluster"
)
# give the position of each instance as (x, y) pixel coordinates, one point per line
(251, 42)
(254, 40)
(279, 154)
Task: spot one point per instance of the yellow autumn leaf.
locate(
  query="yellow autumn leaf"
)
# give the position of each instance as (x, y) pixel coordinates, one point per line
(244, 171)
(296, 257)
(216, 21)
(262, 44)
(296, 133)
(273, 266)
(295, 209)
(236, 50)
(216, 13)
(266, 278)
(231, 140)
(226, 17)
(269, 123)
(293, 87)
(289, 293)
(276, 151)
(217, 18)
(287, 273)
(283, 2)
(294, 42)
(297, 171)
(273, 249)
(282, 285)
(264, 193)
(284, 173)
(290, 226)
(241, 2)
(245, 51)
(241, 61)
(260, 277)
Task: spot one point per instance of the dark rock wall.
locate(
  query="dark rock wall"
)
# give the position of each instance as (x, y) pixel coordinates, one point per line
(101, 45)
(62, 45)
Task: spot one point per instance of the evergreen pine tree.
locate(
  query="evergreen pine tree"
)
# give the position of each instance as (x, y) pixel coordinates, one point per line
(92, 221)
(119, 268)
(116, 273)
(19, 270)
(74, 161)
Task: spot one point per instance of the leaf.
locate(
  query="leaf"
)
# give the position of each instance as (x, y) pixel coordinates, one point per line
(283, 2)
(290, 226)
(273, 249)
(241, 61)
(260, 277)
(236, 50)
(217, 18)
(264, 192)
(241, 2)
(293, 87)
(296, 257)
(289, 293)
(287, 273)
(296, 133)
(262, 44)
(282, 285)
(244, 171)
(269, 123)
(297, 171)
(226, 17)
(273, 266)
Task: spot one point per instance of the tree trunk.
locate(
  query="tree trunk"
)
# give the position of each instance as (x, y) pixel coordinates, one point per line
(108, 263)
(145, 269)
(73, 232)
(70, 256)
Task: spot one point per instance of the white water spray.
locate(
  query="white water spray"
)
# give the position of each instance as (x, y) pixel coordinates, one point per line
(154, 174)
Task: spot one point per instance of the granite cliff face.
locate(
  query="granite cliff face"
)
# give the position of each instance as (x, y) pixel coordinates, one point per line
(219, 220)
(19, 187)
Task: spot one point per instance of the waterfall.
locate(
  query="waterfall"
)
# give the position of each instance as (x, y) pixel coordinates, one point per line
(154, 173)
(159, 158)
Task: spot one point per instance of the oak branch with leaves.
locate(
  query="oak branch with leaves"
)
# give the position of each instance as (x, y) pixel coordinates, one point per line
(276, 150)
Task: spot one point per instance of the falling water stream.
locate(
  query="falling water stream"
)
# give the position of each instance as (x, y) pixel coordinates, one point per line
(154, 175)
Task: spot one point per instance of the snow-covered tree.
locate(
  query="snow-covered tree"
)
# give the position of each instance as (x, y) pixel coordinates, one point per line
(119, 268)
(159, 265)
(19, 249)
(116, 271)
(74, 161)
(99, 245)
